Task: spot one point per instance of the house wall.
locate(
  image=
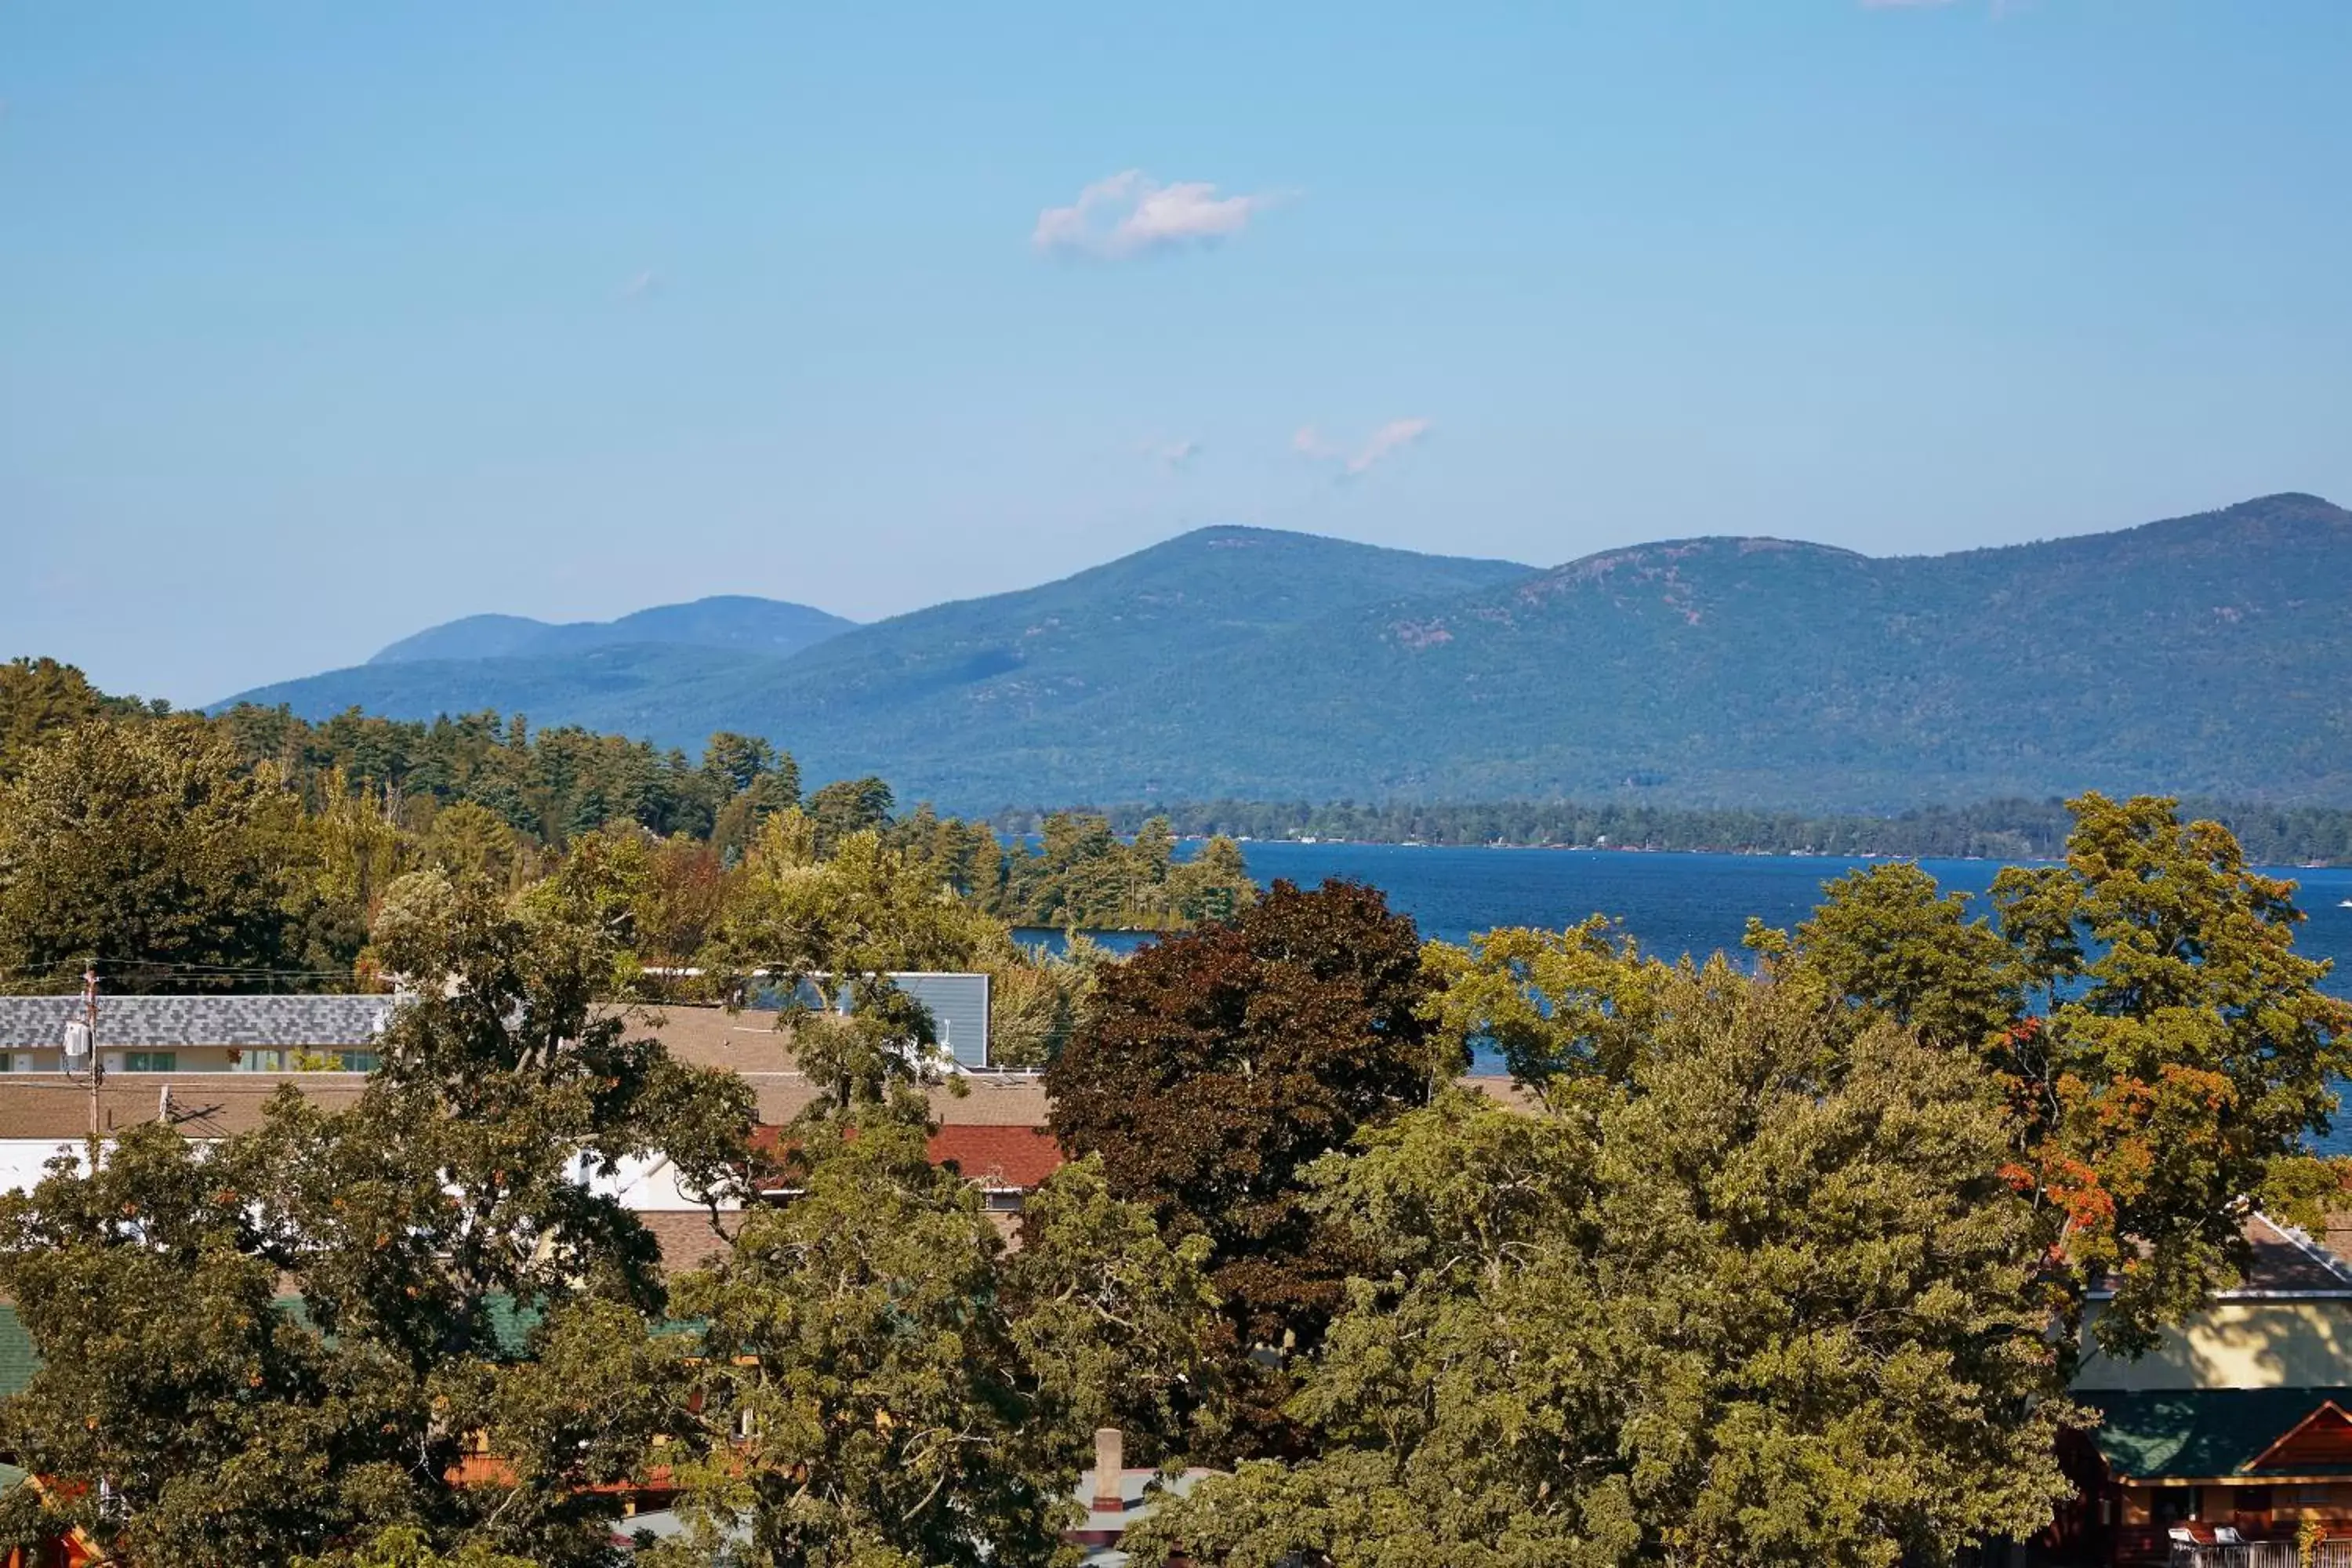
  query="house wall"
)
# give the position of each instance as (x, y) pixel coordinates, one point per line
(957, 1004)
(2301, 1343)
(959, 1007)
(189, 1058)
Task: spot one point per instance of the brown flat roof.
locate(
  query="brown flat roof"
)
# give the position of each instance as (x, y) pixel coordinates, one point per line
(204, 1105)
(49, 1106)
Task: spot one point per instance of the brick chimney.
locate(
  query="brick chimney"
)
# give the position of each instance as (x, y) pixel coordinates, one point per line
(1110, 1468)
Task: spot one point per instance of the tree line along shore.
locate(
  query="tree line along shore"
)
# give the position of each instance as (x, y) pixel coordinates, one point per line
(2009, 830)
(1786, 1261)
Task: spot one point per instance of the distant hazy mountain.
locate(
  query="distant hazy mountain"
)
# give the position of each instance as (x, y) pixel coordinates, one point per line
(769, 627)
(2199, 655)
(1038, 651)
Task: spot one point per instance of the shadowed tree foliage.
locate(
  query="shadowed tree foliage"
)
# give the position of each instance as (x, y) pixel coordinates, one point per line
(1217, 1066)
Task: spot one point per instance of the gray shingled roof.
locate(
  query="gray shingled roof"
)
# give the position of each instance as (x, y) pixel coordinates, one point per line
(144, 1022)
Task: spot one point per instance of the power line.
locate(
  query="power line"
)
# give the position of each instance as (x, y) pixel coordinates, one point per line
(177, 967)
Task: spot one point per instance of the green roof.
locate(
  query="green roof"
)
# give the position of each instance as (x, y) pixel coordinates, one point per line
(2191, 1434)
(18, 1361)
(510, 1327)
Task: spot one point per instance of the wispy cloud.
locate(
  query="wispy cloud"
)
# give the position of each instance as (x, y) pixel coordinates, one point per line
(1394, 436)
(1381, 444)
(644, 285)
(1177, 455)
(1131, 214)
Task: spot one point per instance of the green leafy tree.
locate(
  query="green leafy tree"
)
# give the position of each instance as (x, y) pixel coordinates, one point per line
(1117, 1324)
(1214, 885)
(152, 848)
(818, 931)
(1217, 1066)
(40, 697)
(1563, 1008)
(1767, 1301)
(405, 1546)
(877, 1385)
(2167, 1054)
(1080, 874)
(849, 806)
(292, 1339)
(1889, 940)
(752, 782)
(965, 855)
(2181, 1056)
(739, 761)
(467, 838)
(1037, 1002)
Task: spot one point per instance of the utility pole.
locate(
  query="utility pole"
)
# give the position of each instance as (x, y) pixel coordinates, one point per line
(97, 1059)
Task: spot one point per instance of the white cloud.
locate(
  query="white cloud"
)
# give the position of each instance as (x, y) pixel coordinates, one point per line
(1179, 453)
(1393, 436)
(1389, 439)
(644, 284)
(1130, 215)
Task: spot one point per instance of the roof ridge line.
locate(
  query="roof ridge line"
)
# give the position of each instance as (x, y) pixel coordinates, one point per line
(2335, 1265)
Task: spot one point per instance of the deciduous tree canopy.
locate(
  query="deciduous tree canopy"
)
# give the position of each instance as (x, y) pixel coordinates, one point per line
(2166, 1052)
(1763, 1301)
(258, 1350)
(1219, 1064)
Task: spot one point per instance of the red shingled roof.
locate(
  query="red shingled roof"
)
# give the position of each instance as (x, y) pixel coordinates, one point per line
(995, 1157)
(998, 1156)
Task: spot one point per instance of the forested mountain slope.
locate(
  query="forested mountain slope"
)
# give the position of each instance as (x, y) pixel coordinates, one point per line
(944, 677)
(2199, 654)
(773, 627)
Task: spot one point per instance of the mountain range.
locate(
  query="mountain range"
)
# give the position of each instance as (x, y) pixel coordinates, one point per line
(2192, 656)
(766, 626)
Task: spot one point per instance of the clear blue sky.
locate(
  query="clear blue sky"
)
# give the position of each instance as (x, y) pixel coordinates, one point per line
(319, 323)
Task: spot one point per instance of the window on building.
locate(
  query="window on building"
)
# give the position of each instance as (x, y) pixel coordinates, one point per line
(358, 1061)
(1004, 1202)
(2172, 1505)
(151, 1061)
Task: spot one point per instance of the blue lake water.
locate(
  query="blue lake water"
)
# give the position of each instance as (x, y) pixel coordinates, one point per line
(1673, 904)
